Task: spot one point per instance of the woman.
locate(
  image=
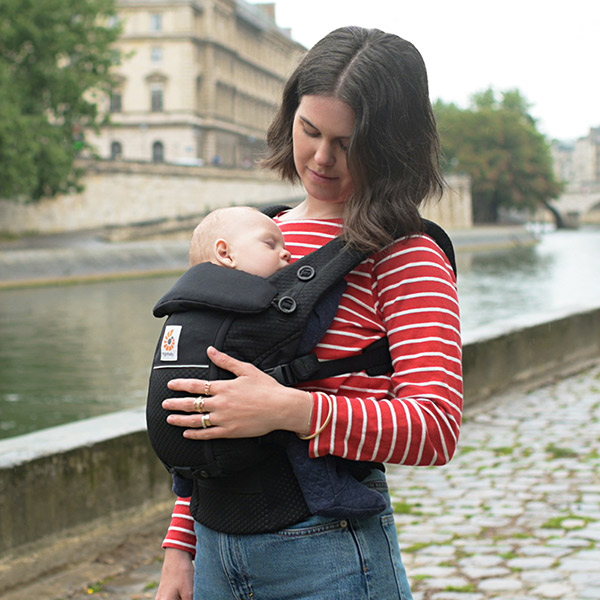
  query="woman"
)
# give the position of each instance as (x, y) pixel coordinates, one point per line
(357, 128)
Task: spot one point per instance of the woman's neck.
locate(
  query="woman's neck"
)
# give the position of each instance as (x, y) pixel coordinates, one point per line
(315, 209)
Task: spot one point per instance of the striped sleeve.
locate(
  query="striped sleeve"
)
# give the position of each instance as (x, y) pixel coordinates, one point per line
(413, 416)
(181, 534)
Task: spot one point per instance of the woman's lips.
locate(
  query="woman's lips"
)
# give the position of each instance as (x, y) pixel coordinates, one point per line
(321, 178)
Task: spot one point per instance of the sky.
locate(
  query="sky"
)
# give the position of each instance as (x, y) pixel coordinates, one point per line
(548, 49)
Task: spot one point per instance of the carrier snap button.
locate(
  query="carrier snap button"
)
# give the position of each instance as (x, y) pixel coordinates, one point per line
(286, 304)
(305, 273)
(343, 523)
(204, 474)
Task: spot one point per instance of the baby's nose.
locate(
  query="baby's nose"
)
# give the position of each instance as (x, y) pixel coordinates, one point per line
(285, 255)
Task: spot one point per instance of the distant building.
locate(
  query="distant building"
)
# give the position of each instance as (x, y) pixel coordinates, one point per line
(586, 158)
(562, 158)
(199, 82)
(578, 163)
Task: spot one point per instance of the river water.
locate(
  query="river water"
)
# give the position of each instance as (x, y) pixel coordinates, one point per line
(77, 351)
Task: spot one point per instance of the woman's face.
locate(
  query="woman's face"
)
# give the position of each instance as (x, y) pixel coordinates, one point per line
(321, 133)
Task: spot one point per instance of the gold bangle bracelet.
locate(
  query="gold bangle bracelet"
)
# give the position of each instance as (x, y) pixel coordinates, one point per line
(322, 428)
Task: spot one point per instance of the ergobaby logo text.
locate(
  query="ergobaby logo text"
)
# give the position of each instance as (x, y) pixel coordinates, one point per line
(170, 343)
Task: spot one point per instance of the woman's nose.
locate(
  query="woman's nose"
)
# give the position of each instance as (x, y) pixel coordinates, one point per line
(324, 154)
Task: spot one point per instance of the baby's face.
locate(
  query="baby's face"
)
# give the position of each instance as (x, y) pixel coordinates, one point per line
(258, 246)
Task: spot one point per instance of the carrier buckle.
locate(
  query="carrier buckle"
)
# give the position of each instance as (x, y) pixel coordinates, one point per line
(286, 304)
(300, 369)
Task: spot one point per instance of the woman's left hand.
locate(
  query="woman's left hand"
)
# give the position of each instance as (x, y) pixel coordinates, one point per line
(250, 405)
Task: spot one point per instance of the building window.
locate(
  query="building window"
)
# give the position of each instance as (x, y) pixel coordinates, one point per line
(116, 102)
(158, 152)
(156, 97)
(156, 54)
(116, 151)
(156, 22)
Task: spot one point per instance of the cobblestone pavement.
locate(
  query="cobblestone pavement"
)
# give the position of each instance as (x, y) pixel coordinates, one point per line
(514, 516)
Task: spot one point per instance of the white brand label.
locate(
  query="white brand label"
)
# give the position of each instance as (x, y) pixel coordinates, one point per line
(170, 342)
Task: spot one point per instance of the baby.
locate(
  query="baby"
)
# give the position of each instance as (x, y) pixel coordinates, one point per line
(240, 237)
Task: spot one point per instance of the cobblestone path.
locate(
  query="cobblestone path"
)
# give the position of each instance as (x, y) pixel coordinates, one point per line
(516, 513)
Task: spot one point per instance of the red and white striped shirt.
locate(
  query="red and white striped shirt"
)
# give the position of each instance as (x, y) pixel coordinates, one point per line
(412, 416)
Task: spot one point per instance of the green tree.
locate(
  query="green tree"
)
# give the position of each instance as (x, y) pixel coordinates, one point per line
(496, 142)
(55, 56)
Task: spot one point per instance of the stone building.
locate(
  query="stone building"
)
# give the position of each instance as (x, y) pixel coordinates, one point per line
(199, 81)
(586, 158)
(578, 164)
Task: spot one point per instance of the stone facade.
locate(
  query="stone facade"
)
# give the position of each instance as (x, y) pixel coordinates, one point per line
(455, 209)
(578, 165)
(199, 82)
(122, 194)
(586, 158)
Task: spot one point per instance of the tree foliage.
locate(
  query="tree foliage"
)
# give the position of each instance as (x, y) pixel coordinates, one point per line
(497, 143)
(54, 56)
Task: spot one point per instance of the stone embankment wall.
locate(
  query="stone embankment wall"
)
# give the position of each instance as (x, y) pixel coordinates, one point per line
(73, 490)
(121, 194)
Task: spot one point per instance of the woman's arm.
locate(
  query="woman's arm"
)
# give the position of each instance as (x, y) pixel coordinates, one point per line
(177, 577)
(414, 417)
(180, 534)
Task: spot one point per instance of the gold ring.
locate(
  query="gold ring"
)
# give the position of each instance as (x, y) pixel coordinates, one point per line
(206, 421)
(199, 404)
(207, 388)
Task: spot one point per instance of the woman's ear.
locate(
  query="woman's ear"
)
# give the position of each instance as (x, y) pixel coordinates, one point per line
(223, 253)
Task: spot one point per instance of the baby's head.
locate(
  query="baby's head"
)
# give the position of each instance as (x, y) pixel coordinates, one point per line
(240, 237)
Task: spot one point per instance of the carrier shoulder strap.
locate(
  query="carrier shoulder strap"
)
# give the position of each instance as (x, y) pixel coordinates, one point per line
(442, 240)
(376, 358)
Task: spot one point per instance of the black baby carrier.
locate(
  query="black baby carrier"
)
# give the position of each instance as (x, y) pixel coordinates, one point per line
(247, 485)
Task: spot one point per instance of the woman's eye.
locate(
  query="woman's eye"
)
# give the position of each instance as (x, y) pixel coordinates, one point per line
(312, 134)
(343, 146)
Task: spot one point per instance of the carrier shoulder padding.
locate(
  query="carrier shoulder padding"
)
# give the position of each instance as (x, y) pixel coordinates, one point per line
(211, 286)
(442, 239)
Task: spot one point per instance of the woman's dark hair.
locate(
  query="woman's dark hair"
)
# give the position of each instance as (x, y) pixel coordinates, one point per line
(394, 152)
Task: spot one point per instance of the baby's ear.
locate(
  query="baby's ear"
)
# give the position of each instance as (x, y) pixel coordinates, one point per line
(223, 253)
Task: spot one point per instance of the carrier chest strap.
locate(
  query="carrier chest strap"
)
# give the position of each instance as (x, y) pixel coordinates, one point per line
(374, 359)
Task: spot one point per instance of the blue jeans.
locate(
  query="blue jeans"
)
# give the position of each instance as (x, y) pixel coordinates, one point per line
(319, 559)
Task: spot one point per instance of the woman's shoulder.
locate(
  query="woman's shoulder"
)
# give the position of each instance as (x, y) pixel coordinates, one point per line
(419, 250)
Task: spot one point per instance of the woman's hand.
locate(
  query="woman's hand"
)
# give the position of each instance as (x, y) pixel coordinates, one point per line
(177, 578)
(251, 405)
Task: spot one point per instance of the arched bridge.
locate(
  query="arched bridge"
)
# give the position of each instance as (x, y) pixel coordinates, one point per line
(573, 206)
